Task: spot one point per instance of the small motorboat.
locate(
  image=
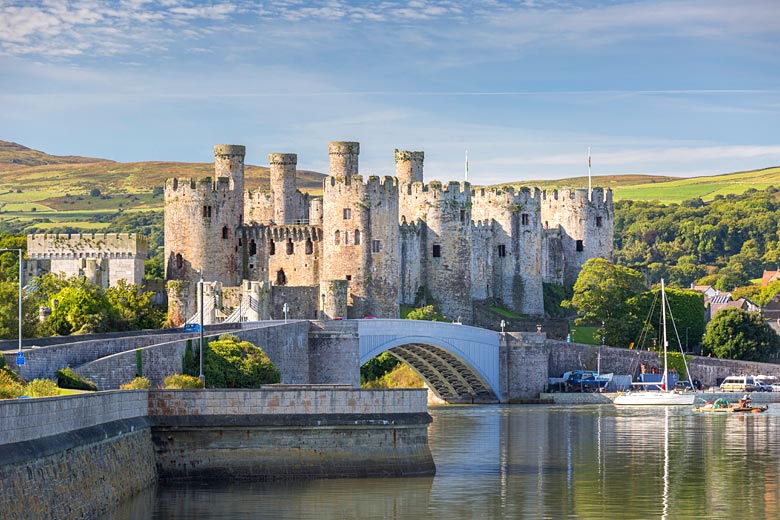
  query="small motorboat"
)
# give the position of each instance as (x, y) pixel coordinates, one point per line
(744, 405)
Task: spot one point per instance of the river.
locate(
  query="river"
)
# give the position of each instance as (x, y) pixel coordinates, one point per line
(582, 462)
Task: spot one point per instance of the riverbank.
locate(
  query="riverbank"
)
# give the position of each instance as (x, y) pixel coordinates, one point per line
(80, 456)
(576, 398)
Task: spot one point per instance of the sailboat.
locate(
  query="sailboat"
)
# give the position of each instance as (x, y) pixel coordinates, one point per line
(665, 395)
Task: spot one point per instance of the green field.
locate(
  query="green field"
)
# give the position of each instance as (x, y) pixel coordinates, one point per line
(583, 334)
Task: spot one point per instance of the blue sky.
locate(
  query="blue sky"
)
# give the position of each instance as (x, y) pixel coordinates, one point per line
(665, 87)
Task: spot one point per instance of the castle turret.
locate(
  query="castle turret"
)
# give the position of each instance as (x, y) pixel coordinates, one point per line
(343, 159)
(283, 187)
(229, 164)
(409, 166)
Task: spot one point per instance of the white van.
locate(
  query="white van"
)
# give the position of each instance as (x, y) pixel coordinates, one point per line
(738, 384)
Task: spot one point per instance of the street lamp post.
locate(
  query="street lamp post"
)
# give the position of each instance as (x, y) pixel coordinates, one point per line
(503, 325)
(20, 354)
(285, 310)
(200, 285)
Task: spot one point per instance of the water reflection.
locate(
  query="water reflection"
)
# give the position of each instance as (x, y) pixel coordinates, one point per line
(532, 462)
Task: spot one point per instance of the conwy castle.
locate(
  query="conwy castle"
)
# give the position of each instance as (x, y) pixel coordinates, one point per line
(367, 246)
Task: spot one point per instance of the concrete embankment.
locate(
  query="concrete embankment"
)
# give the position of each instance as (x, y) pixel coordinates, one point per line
(80, 456)
(576, 398)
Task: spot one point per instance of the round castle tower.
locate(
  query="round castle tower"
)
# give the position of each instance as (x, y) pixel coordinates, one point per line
(343, 159)
(282, 166)
(201, 219)
(409, 166)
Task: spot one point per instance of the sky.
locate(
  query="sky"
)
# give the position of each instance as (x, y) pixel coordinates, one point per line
(668, 87)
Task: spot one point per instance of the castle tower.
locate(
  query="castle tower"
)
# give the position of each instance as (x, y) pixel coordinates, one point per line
(409, 166)
(202, 219)
(586, 222)
(343, 159)
(282, 166)
(447, 254)
(360, 242)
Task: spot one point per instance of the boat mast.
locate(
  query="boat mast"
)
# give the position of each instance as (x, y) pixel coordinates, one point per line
(666, 343)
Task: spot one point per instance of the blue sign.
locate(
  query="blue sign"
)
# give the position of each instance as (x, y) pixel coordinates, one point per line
(20, 358)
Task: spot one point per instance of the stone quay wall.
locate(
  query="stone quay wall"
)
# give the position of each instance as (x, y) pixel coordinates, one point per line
(80, 456)
(73, 456)
(533, 358)
(290, 432)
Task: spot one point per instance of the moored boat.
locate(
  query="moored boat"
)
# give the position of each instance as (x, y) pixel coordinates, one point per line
(722, 405)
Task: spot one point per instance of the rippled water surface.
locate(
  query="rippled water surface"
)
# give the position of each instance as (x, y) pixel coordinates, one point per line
(597, 462)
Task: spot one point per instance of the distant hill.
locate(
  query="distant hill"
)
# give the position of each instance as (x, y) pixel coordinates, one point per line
(671, 189)
(16, 155)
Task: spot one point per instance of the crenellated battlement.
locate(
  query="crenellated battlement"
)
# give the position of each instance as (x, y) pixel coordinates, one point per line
(87, 245)
(507, 196)
(199, 188)
(355, 186)
(598, 196)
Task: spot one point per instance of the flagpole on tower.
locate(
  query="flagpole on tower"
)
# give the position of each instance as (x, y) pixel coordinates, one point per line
(589, 183)
(466, 178)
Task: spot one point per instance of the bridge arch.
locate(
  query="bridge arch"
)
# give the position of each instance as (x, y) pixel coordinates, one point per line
(459, 363)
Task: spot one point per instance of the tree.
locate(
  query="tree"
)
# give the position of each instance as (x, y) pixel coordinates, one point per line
(743, 335)
(231, 363)
(602, 289)
(427, 313)
(81, 308)
(134, 306)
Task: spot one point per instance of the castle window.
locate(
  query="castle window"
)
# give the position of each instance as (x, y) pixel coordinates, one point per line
(252, 248)
(206, 211)
(349, 277)
(579, 245)
(463, 215)
(337, 237)
(290, 246)
(357, 237)
(501, 250)
(346, 238)
(598, 221)
(546, 225)
(271, 247)
(376, 246)
(309, 246)
(179, 261)
(524, 219)
(225, 232)
(240, 242)
(347, 213)
(281, 279)
(436, 251)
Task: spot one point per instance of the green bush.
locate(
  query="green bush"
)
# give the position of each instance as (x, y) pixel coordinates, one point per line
(67, 378)
(188, 364)
(181, 382)
(41, 388)
(139, 383)
(230, 363)
(10, 388)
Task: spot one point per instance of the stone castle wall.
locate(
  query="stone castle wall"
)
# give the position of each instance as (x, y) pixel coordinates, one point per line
(395, 240)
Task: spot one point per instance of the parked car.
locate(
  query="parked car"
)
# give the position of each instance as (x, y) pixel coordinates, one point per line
(191, 327)
(738, 384)
(762, 387)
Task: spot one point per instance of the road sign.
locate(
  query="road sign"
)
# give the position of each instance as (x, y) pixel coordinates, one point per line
(20, 358)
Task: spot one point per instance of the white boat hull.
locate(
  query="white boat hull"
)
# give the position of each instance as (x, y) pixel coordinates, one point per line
(655, 398)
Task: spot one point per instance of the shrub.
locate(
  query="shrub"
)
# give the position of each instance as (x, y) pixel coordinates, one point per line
(139, 383)
(230, 363)
(41, 388)
(10, 388)
(189, 365)
(182, 381)
(67, 378)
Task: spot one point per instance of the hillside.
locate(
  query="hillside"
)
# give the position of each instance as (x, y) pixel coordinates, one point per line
(13, 155)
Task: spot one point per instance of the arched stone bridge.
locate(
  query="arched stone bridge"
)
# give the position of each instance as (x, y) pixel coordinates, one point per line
(459, 363)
